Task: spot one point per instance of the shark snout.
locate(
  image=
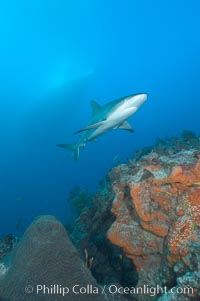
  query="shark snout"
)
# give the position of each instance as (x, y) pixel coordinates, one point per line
(144, 96)
(139, 99)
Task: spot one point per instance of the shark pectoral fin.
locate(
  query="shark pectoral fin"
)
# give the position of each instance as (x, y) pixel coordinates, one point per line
(126, 126)
(89, 127)
(95, 106)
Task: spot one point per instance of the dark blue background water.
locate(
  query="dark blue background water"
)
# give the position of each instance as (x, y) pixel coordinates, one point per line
(56, 56)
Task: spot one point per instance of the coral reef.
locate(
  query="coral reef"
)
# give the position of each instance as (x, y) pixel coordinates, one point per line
(6, 245)
(149, 209)
(79, 200)
(88, 233)
(140, 232)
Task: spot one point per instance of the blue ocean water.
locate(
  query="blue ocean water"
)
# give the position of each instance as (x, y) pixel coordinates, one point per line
(56, 56)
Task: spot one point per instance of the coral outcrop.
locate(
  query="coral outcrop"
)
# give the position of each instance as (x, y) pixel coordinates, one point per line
(46, 266)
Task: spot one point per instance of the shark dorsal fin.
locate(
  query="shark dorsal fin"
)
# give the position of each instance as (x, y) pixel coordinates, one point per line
(95, 106)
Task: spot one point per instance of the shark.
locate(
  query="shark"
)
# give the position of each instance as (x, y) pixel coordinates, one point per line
(113, 115)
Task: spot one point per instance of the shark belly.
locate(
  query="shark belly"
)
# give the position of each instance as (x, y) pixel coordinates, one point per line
(120, 115)
(99, 131)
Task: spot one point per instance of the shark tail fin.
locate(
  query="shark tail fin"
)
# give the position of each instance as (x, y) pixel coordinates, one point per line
(72, 147)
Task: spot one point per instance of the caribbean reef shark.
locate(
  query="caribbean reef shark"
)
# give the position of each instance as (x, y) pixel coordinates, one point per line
(112, 115)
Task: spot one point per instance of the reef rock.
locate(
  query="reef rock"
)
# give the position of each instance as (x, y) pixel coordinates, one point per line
(157, 210)
(46, 266)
